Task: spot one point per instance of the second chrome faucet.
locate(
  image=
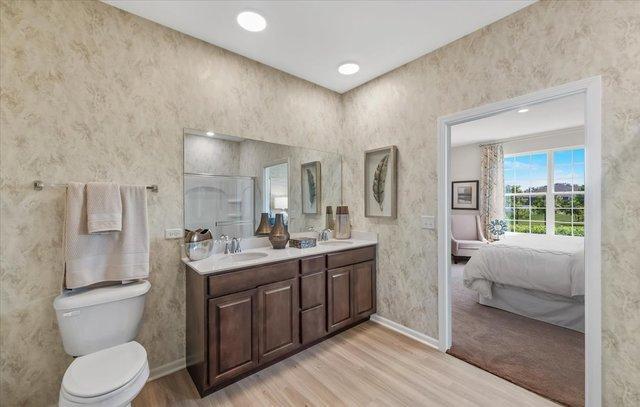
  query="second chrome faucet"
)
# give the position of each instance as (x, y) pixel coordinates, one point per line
(231, 245)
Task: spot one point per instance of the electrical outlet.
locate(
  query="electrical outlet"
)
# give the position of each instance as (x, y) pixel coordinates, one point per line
(173, 233)
(428, 222)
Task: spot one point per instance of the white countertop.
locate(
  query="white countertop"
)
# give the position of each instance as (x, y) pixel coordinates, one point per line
(219, 262)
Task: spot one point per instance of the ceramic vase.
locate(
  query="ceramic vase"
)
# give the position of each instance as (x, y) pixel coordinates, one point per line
(279, 235)
(264, 229)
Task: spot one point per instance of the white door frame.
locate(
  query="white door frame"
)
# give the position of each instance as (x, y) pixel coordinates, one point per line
(592, 89)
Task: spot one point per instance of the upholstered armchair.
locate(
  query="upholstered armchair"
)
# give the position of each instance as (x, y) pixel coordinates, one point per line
(466, 236)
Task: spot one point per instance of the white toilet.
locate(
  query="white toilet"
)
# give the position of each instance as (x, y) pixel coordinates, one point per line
(98, 325)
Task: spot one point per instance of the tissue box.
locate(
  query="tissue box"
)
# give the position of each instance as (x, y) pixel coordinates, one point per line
(303, 242)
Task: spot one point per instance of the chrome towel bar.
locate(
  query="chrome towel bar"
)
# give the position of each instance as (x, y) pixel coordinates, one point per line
(39, 186)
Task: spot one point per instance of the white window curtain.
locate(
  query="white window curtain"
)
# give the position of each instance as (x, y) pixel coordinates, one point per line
(491, 184)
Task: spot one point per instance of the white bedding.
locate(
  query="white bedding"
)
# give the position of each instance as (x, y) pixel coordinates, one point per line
(551, 264)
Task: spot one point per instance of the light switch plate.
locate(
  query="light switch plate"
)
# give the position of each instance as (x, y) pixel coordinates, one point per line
(428, 222)
(173, 233)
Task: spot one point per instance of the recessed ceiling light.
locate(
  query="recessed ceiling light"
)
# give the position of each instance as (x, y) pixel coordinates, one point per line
(349, 68)
(211, 134)
(251, 21)
(523, 110)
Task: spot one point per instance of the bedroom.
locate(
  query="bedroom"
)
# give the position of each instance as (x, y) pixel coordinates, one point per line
(517, 248)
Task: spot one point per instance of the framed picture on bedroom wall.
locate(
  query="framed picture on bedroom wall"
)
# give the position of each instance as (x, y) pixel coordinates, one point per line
(464, 195)
(311, 187)
(380, 182)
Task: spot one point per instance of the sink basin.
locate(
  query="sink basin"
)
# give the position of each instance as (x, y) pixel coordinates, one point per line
(236, 258)
(336, 243)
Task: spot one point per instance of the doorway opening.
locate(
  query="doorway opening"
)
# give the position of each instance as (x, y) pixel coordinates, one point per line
(517, 304)
(276, 189)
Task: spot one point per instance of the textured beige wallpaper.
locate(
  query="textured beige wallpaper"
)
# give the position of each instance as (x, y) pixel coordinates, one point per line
(89, 92)
(546, 44)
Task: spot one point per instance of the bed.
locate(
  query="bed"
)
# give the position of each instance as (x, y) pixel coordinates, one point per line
(537, 276)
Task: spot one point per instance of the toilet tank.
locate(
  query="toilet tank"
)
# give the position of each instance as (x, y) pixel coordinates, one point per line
(98, 318)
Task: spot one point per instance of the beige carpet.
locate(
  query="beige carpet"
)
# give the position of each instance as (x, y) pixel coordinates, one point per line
(544, 358)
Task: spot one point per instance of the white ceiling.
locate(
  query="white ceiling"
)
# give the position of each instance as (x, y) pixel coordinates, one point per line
(310, 39)
(552, 115)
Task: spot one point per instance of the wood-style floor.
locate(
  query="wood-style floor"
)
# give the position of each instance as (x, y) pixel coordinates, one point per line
(364, 366)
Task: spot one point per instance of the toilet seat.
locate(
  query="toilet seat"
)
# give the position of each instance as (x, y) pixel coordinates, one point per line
(109, 377)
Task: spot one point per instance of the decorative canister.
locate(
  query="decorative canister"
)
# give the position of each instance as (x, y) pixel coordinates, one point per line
(198, 244)
(264, 228)
(343, 224)
(279, 235)
(330, 223)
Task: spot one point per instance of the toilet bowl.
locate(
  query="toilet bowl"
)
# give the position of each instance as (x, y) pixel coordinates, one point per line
(98, 326)
(111, 377)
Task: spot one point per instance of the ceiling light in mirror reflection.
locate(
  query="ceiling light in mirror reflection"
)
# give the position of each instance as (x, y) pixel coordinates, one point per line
(523, 110)
(251, 21)
(210, 134)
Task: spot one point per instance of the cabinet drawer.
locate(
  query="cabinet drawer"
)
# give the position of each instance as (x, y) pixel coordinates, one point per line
(312, 290)
(335, 260)
(312, 264)
(240, 280)
(312, 324)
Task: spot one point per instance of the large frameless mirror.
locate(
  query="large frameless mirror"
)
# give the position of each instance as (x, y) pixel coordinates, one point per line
(230, 181)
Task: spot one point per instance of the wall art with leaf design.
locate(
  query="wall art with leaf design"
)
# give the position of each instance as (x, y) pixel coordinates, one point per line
(380, 179)
(311, 187)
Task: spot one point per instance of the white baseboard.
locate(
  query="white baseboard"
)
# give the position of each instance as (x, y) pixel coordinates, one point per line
(418, 336)
(166, 369)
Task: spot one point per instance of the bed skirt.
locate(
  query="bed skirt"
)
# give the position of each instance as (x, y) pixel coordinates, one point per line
(551, 308)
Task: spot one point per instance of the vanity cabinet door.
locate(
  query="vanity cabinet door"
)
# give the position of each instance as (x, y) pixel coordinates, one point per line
(339, 294)
(232, 335)
(364, 289)
(278, 321)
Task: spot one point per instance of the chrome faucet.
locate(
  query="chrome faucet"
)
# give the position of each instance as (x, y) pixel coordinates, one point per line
(235, 245)
(325, 235)
(231, 244)
(227, 242)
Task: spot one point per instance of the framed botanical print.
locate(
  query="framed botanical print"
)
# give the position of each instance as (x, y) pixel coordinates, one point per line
(464, 195)
(380, 182)
(311, 187)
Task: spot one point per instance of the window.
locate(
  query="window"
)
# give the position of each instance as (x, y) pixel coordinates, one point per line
(568, 191)
(531, 205)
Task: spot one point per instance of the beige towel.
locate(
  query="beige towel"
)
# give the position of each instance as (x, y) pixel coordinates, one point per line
(104, 207)
(117, 256)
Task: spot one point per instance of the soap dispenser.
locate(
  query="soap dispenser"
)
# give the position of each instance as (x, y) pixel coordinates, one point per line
(343, 224)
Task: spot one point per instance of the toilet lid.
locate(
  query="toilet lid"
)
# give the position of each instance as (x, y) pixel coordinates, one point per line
(104, 371)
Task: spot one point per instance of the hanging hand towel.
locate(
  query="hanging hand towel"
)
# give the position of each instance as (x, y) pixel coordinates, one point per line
(117, 256)
(104, 207)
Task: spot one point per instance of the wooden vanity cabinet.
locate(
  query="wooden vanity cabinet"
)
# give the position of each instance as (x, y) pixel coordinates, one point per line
(232, 326)
(278, 310)
(351, 294)
(241, 321)
(364, 289)
(339, 298)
